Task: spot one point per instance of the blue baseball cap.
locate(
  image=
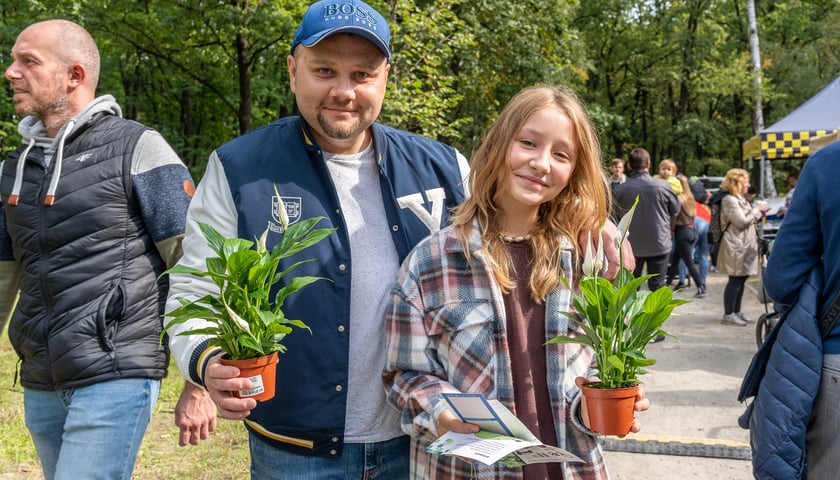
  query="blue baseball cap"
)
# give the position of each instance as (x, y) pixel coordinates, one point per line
(329, 17)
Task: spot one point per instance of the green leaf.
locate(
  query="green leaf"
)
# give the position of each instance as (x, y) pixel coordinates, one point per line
(616, 363)
(244, 322)
(215, 240)
(212, 331)
(278, 276)
(294, 285)
(239, 263)
(562, 339)
(178, 268)
(300, 325)
(300, 235)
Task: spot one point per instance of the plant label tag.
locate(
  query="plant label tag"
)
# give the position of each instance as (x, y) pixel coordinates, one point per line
(256, 387)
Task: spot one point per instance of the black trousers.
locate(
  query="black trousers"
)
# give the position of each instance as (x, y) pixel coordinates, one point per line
(684, 237)
(733, 292)
(655, 265)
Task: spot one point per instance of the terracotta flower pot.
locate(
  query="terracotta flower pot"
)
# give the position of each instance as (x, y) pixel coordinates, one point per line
(262, 372)
(610, 410)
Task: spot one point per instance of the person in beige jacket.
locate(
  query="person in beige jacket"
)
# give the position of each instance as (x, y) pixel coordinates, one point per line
(738, 255)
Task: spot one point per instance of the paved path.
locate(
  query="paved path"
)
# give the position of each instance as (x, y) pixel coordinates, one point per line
(692, 424)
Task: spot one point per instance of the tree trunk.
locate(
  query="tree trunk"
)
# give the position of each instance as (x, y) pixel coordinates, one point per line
(243, 63)
(768, 186)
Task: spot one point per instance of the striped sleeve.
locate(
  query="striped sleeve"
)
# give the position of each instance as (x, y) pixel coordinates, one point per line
(213, 204)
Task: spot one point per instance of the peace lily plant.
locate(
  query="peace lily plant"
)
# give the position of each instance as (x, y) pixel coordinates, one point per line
(243, 320)
(617, 318)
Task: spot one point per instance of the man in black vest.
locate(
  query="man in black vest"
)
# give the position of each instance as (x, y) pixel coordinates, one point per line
(93, 211)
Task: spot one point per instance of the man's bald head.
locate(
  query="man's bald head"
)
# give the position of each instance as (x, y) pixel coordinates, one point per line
(73, 45)
(54, 72)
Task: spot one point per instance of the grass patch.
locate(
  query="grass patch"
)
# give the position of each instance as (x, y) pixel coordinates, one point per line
(224, 456)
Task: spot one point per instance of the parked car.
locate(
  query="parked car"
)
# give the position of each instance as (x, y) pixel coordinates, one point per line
(711, 184)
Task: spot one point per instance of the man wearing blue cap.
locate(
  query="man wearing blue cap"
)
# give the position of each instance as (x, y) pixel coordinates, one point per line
(384, 189)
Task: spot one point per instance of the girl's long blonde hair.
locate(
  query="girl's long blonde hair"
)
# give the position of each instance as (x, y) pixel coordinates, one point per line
(581, 206)
(686, 197)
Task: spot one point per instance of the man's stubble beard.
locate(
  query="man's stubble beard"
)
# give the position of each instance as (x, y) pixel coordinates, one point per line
(57, 110)
(336, 133)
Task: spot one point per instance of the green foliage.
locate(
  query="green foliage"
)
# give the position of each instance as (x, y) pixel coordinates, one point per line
(799, 54)
(424, 86)
(199, 72)
(673, 77)
(243, 320)
(617, 318)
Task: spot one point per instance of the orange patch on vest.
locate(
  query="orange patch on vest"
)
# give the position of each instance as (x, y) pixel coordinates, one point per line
(189, 188)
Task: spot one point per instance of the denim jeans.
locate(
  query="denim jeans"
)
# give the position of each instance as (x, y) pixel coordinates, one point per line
(701, 251)
(388, 460)
(823, 436)
(90, 432)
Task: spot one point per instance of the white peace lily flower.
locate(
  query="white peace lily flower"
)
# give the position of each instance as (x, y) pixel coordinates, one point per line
(284, 217)
(261, 241)
(591, 264)
(599, 254)
(587, 257)
(281, 210)
(237, 319)
(624, 224)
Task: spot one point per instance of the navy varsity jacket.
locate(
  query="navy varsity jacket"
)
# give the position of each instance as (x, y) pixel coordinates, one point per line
(420, 183)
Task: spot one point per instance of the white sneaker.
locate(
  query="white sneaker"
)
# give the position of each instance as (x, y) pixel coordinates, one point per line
(733, 319)
(744, 317)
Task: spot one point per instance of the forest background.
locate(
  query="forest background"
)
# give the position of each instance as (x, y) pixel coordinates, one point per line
(671, 76)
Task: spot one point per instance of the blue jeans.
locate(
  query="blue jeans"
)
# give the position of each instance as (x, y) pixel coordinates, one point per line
(701, 250)
(388, 460)
(823, 436)
(90, 432)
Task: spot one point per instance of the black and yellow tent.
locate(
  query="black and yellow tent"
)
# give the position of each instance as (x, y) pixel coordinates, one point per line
(815, 144)
(790, 137)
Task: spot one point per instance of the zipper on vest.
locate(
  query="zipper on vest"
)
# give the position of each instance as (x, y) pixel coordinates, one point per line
(42, 270)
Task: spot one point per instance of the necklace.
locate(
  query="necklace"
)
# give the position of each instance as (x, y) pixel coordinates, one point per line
(521, 239)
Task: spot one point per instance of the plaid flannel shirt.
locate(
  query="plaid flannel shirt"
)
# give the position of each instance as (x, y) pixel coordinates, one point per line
(446, 332)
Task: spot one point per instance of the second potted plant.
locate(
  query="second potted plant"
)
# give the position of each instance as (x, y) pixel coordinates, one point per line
(618, 321)
(244, 320)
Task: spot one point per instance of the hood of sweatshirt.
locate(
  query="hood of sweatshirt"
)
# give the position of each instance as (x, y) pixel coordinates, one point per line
(34, 134)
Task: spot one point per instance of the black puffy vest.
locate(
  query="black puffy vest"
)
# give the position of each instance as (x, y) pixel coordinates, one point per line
(90, 301)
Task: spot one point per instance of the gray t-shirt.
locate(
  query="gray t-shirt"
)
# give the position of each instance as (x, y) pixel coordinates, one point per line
(375, 262)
